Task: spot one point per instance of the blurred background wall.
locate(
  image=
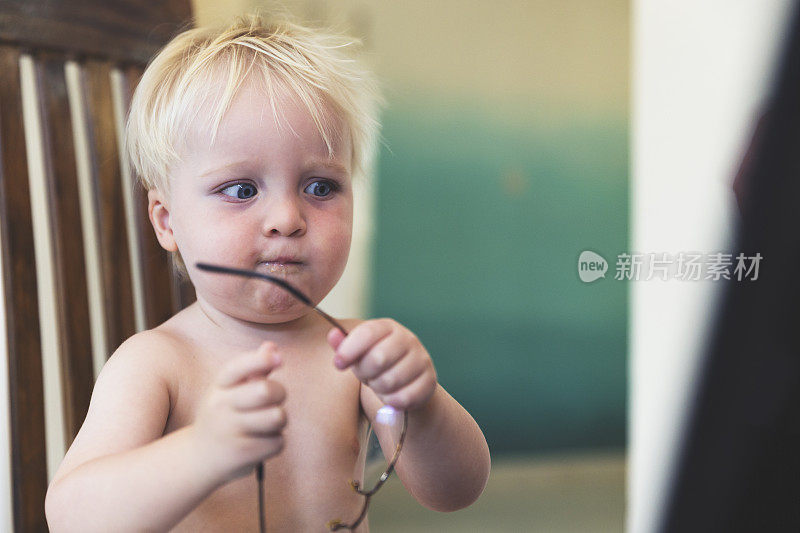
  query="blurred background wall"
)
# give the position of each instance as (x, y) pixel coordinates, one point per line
(504, 156)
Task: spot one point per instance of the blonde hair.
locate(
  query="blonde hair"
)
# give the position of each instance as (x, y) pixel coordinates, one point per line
(191, 71)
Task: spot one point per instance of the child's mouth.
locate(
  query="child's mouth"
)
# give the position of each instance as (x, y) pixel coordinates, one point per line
(282, 267)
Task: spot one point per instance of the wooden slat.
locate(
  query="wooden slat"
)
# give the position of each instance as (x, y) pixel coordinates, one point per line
(72, 303)
(28, 457)
(156, 270)
(123, 30)
(114, 252)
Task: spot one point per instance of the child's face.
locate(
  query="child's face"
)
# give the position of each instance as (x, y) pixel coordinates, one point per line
(261, 196)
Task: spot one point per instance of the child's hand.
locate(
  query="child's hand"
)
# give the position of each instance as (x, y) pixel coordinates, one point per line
(389, 359)
(239, 422)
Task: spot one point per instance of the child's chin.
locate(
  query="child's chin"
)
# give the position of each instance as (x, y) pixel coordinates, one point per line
(269, 316)
(280, 305)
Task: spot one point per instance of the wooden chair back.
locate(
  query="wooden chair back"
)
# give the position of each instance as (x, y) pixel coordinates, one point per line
(81, 268)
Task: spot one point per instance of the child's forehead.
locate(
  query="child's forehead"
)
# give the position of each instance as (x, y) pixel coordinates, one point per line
(257, 112)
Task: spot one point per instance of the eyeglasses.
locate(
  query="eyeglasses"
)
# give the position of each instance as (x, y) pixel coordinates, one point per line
(385, 413)
(388, 415)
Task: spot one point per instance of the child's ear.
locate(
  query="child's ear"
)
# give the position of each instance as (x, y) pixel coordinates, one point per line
(159, 217)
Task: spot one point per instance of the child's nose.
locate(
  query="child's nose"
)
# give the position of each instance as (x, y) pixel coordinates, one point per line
(284, 217)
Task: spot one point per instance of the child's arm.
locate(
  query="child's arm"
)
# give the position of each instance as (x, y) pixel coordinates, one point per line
(445, 460)
(121, 475)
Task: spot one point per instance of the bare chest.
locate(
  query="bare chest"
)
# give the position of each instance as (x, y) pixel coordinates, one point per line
(307, 483)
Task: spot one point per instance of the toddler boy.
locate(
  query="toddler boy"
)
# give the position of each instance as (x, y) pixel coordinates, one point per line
(248, 140)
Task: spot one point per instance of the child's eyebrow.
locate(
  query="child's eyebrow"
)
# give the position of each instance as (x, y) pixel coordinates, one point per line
(244, 165)
(328, 164)
(236, 165)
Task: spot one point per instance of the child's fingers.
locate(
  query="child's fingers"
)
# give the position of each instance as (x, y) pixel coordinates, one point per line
(414, 394)
(335, 338)
(262, 423)
(360, 340)
(258, 363)
(381, 357)
(256, 394)
(401, 374)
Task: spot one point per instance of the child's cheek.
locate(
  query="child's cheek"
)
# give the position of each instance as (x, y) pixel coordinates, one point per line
(340, 245)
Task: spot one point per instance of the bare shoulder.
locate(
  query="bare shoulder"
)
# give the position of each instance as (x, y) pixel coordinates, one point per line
(145, 358)
(130, 402)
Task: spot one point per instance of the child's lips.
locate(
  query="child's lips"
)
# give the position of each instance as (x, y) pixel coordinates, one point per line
(283, 259)
(283, 266)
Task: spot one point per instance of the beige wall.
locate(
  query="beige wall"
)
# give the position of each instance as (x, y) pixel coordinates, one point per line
(486, 50)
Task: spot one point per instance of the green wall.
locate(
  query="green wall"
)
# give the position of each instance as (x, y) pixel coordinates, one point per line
(480, 222)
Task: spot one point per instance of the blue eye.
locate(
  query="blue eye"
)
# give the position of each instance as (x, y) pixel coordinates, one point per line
(322, 189)
(240, 191)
